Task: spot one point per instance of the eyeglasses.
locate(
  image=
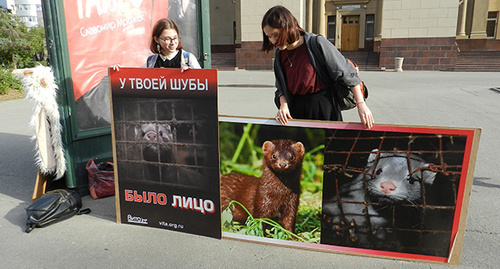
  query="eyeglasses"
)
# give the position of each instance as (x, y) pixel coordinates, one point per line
(167, 39)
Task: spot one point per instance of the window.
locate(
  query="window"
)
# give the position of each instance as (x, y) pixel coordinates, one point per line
(350, 19)
(370, 26)
(331, 28)
(491, 24)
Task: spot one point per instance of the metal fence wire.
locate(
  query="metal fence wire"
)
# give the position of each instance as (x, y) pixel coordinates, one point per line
(168, 141)
(391, 191)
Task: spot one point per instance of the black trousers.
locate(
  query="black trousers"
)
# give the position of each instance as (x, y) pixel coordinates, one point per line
(317, 106)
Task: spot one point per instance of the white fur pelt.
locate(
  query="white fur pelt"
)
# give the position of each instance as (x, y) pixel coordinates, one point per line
(40, 87)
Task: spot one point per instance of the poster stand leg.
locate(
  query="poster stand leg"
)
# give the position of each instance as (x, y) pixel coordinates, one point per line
(40, 186)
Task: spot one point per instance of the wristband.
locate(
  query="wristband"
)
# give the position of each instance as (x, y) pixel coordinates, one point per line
(357, 103)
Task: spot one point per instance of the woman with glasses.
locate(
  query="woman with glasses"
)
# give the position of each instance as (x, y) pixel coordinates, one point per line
(166, 44)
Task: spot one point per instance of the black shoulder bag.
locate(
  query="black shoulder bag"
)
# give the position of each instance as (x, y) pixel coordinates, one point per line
(54, 206)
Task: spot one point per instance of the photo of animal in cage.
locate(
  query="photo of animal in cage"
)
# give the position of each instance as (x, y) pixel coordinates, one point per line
(167, 141)
(391, 191)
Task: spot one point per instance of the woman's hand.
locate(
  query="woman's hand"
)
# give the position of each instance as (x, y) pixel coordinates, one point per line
(365, 115)
(184, 68)
(283, 114)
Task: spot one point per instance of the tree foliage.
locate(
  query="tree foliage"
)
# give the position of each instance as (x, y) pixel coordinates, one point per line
(37, 42)
(20, 47)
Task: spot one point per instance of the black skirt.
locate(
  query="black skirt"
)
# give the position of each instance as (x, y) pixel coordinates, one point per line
(317, 106)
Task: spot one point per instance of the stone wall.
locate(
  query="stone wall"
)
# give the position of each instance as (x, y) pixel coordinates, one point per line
(250, 57)
(420, 53)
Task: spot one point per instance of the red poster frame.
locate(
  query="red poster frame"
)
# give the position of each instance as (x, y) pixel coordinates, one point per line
(462, 201)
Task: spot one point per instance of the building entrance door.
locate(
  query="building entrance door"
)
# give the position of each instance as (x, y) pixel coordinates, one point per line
(350, 33)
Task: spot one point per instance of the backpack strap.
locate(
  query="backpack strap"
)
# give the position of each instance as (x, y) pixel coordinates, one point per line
(84, 211)
(318, 54)
(345, 97)
(151, 60)
(316, 50)
(185, 57)
(320, 58)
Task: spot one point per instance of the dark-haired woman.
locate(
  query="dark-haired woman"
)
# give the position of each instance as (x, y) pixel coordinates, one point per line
(301, 93)
(166, 44)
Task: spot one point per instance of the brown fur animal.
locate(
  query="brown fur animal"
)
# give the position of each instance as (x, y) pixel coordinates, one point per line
(276, 193)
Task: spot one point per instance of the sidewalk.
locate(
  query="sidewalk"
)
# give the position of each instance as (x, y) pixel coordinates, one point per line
(97, 241)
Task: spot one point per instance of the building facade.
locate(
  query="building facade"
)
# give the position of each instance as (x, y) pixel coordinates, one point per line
(428, 34)
(477, 25)
(28, 11)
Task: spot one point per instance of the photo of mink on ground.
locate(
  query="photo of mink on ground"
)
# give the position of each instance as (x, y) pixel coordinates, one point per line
(274, 194)
(271, 181)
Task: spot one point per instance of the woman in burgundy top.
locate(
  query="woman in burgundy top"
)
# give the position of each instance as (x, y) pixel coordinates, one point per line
(301, 93)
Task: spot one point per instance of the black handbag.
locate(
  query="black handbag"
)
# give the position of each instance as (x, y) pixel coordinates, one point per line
(52, 207)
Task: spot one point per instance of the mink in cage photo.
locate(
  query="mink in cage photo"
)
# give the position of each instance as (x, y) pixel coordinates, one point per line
(165, 141)
(391, 191)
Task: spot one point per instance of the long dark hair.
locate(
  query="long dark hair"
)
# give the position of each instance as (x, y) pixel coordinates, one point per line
(279, 17)
(158, 29)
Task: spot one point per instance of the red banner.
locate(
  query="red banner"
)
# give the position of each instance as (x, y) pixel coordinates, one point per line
(164, 82)
(102, 33)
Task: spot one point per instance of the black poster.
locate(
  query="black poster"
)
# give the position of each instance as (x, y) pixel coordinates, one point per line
(165, 137)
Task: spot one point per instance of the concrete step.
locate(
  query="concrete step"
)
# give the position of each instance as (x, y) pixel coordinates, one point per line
(224, 61)
(366, 60)
(478, 61)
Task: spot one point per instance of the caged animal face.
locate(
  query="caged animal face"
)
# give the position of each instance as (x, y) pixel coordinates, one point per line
(393, 180)
(153, 132)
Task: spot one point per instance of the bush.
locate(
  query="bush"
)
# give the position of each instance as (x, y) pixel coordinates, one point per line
(8, 82)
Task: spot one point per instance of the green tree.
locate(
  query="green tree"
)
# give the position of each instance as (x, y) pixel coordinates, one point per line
(37, 43)
(15, 49)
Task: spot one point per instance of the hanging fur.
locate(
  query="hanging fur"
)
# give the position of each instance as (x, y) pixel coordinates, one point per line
(40, 87)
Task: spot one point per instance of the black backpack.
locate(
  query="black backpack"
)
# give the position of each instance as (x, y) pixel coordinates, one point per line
(345, 97)
(52, 207)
